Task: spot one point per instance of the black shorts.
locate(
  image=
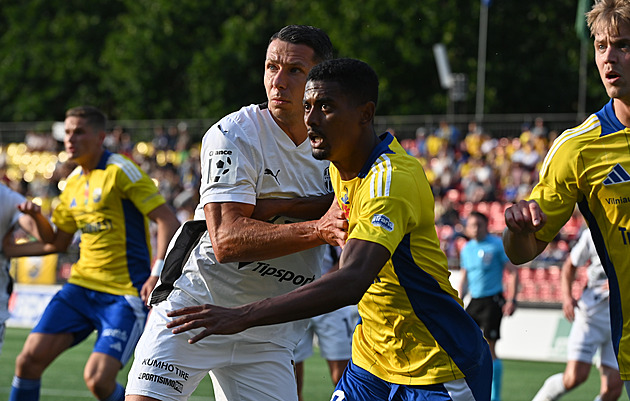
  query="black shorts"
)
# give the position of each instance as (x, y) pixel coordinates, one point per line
(488, 312)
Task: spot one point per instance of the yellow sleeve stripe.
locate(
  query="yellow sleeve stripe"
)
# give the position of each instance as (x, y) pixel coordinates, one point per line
(587, 126)
(379, 186)
(127, 166)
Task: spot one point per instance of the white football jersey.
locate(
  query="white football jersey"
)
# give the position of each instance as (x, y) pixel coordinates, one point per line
(9, 215)
(583, 251)
(246, 156)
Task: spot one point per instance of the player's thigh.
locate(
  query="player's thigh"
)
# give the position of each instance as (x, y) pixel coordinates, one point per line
(259, 371)
(165, 365)
(120, 323)
(101, 368)
(39, 351)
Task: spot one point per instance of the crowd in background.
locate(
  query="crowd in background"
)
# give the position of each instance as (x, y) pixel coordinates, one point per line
(468, 170)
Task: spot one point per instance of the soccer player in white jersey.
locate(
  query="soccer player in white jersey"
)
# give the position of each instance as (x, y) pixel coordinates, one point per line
(414, 340)
(258, 177)
(588, 166)
(16, 212)
(590, 331)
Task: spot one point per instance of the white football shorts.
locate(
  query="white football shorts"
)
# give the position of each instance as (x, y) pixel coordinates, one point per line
(166, 367)
(334, 335)
(591, 331)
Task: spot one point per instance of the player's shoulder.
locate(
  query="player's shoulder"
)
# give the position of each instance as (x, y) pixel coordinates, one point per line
(572, 141)
(246, 119)
(125, 165)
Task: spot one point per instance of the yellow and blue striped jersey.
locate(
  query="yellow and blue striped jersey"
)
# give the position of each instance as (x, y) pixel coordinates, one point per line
(413, 328)
(109, 206)
(589, 166)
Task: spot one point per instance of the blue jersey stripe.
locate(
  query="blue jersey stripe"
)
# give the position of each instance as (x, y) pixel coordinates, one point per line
(614, 298)
(446, 320)
(138, 258)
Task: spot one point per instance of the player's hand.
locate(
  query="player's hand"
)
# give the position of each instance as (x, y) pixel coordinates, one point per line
(525, 217)
(147, 287)
(214, 319)
(332, 228)
(509, 308)
(30, 208)
(568, 308)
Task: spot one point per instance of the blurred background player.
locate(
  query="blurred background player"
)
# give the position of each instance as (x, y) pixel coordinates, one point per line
(483, 262)
(110, 200)
(590, 331)
(333, 330)
(16, 212)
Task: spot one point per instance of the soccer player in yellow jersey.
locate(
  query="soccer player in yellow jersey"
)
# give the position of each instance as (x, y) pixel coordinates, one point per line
(588, 166)
(109, 199)
(414, 340)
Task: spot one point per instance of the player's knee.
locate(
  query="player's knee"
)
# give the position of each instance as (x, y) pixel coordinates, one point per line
(99, 384)
(28, 366)
(574, 379)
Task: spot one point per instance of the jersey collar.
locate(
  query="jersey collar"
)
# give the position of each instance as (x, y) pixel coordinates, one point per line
(102, 164)
(608, 120)
(382, 147)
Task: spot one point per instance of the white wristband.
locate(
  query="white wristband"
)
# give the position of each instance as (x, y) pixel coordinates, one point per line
(157, 267)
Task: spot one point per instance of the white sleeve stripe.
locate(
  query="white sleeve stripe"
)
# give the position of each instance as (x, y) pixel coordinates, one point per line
(377, 186)
(126, 166)
(587, 126)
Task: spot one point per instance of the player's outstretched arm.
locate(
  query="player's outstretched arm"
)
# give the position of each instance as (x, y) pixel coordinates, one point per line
(566, 282)
(60, 243)
(522, 220)
(237, 237)
(360, 263)
(167, 225)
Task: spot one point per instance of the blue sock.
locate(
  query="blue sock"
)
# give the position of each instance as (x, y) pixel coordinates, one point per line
(497, 377)
(117, 395)
(25, 389)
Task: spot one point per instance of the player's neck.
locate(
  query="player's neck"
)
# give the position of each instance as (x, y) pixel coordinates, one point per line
(90, 163)
(622, 111)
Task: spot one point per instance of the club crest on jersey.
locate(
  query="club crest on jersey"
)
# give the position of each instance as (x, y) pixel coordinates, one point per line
(97, 194)
(380, 220)
(222, 166)
(327, 180)
(618, 175)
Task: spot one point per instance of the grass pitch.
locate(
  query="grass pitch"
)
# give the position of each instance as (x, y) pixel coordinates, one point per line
(63, 380)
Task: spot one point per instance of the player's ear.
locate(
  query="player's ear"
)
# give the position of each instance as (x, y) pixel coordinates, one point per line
(367, 112)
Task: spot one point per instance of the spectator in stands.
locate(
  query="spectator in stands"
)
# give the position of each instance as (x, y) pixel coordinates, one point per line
(483, 262)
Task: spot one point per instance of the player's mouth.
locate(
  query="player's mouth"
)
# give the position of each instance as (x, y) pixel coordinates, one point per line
(612, 76)
(316, 140)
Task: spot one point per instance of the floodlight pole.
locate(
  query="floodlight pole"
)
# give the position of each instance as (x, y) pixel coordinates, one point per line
(481, 60)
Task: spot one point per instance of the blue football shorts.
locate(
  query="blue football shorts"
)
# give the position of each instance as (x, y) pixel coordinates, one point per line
(357, 384)
(118, 319)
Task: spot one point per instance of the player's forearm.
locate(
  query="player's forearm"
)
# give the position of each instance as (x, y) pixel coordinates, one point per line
(45, 232)
(329, 293)
(256, 240)
(520, 247)
(566, 279)
(13, 250)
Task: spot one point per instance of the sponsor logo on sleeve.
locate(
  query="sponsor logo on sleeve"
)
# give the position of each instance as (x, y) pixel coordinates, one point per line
(221, 166)
(380, 220)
